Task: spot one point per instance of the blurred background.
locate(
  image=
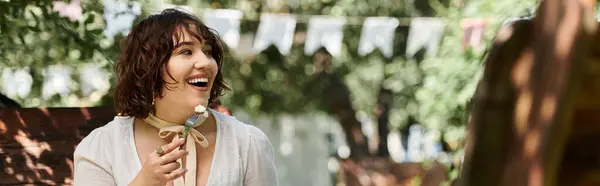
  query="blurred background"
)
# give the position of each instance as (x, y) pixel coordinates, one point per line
(350, 92)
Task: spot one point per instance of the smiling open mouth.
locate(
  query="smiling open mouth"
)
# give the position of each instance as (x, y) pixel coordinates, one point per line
(199, 82)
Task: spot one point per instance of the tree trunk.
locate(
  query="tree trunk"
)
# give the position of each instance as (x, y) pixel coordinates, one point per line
(523, 106)
(6, 102)
(384, 103)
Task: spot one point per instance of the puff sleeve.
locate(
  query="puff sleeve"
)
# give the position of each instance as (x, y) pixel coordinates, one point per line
(261, 160)
(91, 164)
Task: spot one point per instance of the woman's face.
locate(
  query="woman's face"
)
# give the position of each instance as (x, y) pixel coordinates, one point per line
(194, 71)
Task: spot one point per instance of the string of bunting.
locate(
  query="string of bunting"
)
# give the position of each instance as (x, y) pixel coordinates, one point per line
(323, 31)
(274, 29)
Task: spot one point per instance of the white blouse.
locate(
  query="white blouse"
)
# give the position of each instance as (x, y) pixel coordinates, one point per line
(243, 155)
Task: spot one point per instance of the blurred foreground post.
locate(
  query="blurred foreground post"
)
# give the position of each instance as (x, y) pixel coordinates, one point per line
(527, 103)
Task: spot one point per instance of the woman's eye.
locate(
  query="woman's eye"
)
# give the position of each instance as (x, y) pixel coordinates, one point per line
(186, 52)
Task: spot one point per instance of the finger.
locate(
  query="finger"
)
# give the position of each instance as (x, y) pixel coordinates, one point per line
(170, 167)
(175, 174)
(173, 145)
(173, 156)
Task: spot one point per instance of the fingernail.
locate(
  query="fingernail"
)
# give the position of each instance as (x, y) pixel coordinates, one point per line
(181, 139)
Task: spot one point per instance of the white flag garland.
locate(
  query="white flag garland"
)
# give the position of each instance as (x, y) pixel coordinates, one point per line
(325, 31)
(378, 32)
(277, 29)
(274, 29)
(227, 24)
(424, 33)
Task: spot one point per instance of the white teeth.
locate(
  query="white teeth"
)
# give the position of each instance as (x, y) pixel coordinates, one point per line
(197, 80)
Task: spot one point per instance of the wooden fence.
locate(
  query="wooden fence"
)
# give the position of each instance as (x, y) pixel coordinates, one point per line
(37, 144)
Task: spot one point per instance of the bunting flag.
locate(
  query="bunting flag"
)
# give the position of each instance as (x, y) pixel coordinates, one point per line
(93, 79)
(16, 83)
(432, 147)
(473, 32)
(245, 47)
(277, 29)
(227, 24)
(378, 32)
(57, 80)
(324, 31)
(119, 16)
(415, 144)
(424, 33)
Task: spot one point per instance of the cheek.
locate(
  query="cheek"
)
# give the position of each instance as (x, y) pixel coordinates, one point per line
(214, 68)
(177, 71)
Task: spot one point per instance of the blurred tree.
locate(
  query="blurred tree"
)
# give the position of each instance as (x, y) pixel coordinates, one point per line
(433, 90)
(34, 34)
(516, 138)
(356, 89)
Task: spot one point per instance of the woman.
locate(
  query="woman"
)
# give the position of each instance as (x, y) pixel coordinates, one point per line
(171, 63)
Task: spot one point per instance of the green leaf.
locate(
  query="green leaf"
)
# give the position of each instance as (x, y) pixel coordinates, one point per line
(96, 32)
(89, 19)
(34, 29)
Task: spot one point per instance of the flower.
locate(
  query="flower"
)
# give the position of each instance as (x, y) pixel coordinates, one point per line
(72, 10)
(201, 110)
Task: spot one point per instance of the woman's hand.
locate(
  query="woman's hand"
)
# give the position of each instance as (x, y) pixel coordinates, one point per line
(162, 167)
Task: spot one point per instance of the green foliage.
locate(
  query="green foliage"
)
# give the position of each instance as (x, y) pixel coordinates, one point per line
(33, 35)
(450, 78)
(436, 90)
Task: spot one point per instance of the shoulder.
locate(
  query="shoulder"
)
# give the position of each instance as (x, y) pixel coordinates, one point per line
(242, 131)
(95, 144)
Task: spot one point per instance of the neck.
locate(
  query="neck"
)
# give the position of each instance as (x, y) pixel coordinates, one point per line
(173, 116)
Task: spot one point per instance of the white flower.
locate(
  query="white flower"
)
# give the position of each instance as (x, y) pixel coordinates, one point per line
(119, 16)
(16, 83)
(201, 110)
(72, 10)
(57, 80)
(93, 78)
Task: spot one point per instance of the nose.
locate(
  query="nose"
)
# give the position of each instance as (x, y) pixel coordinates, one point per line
(201, 61)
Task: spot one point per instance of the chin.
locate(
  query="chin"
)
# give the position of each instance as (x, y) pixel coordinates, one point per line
(201, 101)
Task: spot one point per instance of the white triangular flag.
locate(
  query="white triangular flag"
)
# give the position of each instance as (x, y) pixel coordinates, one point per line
(245, 47)
(277, 29)
(431, 144)
(17, 82)
(119, 16)
(473, 32)
(415, 151)
(324, 31)
(378, 32)
(227, 24)
(93, 78)
(424, 33)
(57, 80)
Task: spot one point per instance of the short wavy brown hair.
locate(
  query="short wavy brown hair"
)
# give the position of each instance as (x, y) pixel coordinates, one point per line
(145, 53)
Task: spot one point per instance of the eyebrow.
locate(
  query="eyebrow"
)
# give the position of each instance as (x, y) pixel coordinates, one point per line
(183, 43)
